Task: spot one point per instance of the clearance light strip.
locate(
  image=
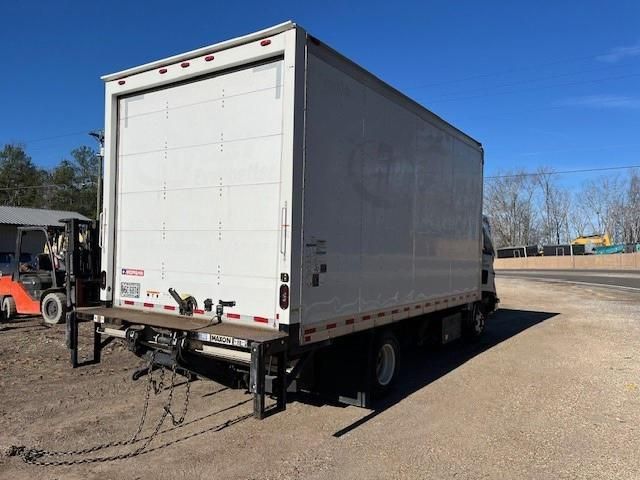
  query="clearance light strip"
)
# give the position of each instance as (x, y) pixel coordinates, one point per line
(334, 328)
(186, 64)
(197, 311)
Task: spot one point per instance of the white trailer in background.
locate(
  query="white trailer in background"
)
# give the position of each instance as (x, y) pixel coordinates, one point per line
(267, 197)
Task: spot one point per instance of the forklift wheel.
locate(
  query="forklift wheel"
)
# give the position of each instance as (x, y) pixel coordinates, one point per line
(9, 309)
(54, 308)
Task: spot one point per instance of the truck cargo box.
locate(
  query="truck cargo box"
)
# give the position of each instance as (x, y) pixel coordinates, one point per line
(271, 171)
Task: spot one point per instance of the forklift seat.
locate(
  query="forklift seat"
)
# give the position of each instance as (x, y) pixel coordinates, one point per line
(43, 263)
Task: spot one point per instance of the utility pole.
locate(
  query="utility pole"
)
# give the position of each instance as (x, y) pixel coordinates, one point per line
(99, 136)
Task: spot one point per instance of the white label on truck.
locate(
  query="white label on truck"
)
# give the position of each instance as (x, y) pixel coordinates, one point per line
(129, 289)
(202, 336)
(222, 339)
(240, 342)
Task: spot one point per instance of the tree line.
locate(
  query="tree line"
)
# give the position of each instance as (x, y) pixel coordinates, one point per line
(523, 208)
(535, 209)
(70, 185)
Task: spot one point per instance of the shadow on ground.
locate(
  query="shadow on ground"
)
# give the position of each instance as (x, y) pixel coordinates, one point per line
(420, 367)
(21, 323)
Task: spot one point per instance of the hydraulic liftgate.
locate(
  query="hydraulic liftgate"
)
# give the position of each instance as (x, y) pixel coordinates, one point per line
(192, 345)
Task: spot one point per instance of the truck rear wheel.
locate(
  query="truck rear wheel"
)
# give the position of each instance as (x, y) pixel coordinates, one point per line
(54, 308)
(9, 308)
(386, 363)
(474, 322)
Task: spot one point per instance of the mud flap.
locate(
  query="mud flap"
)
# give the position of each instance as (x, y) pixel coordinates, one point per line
(342, 372)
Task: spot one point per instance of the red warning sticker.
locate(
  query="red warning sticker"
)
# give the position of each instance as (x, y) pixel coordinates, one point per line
(133, 272)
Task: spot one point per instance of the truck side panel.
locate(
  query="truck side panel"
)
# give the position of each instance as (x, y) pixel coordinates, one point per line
(392, 206)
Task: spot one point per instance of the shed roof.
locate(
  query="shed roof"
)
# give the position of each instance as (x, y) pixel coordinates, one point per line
(35, 216)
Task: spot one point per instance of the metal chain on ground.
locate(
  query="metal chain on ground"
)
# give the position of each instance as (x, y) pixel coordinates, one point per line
(95, 448)
(158, 386)
(216, 428)
(34, 455)
(34, 459)
(180, 420)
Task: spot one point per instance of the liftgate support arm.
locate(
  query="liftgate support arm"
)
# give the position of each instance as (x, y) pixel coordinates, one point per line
(258, 373)
(72, 336)
(72, 341)
(256, 379)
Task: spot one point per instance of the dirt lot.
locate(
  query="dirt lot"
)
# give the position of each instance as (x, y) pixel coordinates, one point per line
(552, 391)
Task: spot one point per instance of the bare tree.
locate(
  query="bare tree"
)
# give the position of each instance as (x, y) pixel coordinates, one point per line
(628, 215)
(554, 208)
(527, 209)
(510, 206)
(602, 201)
(579, 220)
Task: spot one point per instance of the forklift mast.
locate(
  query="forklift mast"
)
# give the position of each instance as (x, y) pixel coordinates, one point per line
(82, 279)
(82, 262)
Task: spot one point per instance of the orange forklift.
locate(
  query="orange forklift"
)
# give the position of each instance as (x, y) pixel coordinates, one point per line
(53, 269)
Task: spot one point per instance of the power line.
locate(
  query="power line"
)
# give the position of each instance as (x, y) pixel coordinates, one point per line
(507, 71)
(32, 187)
(447, 96)
(52, 137)
(570, 84)
(577, 149)
(531, 80)
(560, 172)
(447, 82)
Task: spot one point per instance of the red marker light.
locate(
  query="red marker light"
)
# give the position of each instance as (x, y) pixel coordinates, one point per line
(208, 58)
(184, 64)
(121, 82)
(264, 43)
(284, 297)
(162, 70)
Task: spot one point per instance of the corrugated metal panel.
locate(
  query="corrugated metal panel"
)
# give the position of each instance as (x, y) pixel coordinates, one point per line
(35, 216)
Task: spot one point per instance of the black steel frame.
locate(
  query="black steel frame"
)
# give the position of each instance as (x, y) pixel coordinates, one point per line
(262, 381)
(77, 272)
(18, 275)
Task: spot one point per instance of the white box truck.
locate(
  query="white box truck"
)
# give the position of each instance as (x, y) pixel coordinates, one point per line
(265, 198)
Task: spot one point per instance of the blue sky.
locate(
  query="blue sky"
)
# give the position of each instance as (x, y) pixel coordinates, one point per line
(538, 83)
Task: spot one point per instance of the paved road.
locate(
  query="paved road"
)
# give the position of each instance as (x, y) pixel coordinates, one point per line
(625, 279)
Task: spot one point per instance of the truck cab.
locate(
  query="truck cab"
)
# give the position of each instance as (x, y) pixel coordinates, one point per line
(490, 299)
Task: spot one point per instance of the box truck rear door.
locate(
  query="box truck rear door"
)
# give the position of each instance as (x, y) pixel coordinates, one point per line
(198, 193)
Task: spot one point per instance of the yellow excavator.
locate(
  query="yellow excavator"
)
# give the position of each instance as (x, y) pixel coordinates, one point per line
(596, 240)
(595, 243)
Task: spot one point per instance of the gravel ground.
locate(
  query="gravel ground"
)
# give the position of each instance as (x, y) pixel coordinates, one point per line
(551, 391)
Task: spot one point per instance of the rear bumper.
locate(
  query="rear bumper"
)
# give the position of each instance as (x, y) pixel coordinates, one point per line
(222, 341)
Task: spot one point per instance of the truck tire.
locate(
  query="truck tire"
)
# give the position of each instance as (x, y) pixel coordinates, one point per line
(386, 363)
(9, 309)
(54, 308)
(474, 322)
